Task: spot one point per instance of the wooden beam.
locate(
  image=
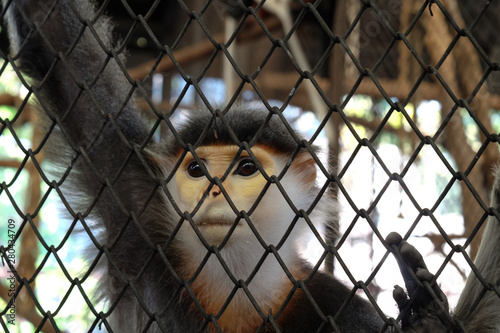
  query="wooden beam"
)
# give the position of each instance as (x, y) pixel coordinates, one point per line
(189, 54)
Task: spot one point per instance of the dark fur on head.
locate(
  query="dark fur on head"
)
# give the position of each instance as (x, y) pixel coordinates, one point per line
(243, 123)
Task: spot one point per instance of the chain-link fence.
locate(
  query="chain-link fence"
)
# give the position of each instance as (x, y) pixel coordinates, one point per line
(400, 98)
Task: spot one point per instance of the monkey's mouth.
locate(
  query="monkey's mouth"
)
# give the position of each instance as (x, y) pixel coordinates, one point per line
(215, 223)
(216, 230)
(216, 216)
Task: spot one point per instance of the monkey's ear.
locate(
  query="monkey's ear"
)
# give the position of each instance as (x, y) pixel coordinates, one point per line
(304, 168)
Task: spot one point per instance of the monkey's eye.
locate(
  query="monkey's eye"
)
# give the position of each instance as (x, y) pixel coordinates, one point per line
(194, 170)
(246, 168)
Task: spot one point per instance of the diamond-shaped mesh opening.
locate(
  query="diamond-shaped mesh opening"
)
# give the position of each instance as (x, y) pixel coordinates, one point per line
(347, 121)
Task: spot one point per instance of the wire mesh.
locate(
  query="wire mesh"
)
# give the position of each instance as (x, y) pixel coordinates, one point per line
(397, 53)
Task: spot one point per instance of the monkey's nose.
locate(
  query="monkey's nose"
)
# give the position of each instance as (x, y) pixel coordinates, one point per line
(216, 191)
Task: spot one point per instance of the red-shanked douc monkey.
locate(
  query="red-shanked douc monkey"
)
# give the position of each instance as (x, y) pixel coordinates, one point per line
(197, 232)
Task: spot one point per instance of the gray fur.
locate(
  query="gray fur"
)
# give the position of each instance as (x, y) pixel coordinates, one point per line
(97, 140)
(485, 316)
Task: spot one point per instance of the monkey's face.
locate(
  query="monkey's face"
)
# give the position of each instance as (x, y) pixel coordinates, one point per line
(243, 188)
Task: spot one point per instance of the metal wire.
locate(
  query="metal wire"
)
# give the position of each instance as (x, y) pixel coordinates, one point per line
(373, 74)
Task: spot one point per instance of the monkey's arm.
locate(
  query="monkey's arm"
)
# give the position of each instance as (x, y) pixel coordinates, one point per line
(330, 294)
(64, 48)
(426, 309)
(479, 303)
(68, 46)
(96, 139)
